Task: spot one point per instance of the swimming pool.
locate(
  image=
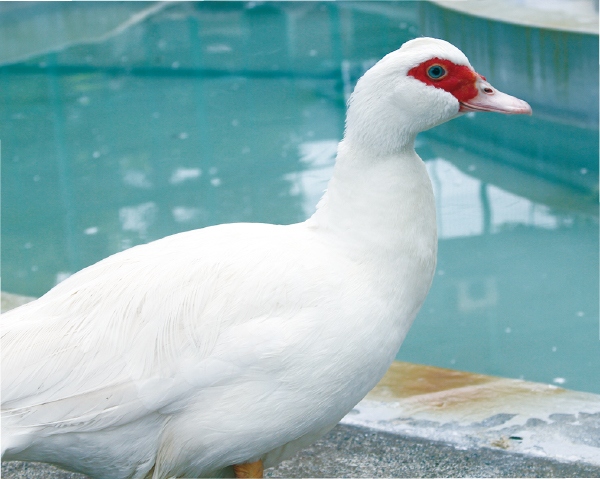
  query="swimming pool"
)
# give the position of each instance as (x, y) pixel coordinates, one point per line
(124, 123)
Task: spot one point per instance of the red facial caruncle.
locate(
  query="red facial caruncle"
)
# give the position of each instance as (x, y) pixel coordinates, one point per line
(458, 80)
(471, 89)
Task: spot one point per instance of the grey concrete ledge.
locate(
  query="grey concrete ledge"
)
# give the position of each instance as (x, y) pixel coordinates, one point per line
(10, 301)
(475, 411)
(349, 451)
(422, 421)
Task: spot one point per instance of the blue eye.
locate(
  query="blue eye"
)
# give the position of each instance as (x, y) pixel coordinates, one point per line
(436, 72)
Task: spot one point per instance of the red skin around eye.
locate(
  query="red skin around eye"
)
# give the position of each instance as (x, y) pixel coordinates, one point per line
(459, 79)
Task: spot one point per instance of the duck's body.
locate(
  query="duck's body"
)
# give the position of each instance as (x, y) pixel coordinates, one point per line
(233, 343)
(312, 317)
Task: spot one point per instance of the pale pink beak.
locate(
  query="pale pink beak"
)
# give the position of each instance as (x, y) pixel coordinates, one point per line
(490, 99)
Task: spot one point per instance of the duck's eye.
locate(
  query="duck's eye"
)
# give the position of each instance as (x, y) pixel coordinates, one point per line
(435, 72)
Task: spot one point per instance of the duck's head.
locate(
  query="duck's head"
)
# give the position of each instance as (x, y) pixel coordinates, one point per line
(424, 83)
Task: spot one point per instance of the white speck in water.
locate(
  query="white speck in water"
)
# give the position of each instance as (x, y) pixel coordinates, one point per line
(138, 218)
(84, 100)
(89, 58)
(34, 268)
(471, 114)
(42, 64)
(235, 122)
(182, 174)
(181, 214)
(96, 154)
(215, 182)
(583, 171)
(295, 190)
(313, 53)
(245, 150)
(124, 58)
(551, 386)
(441, 272)
(162, 44)
(472, 168)
(507, 330)
(310, 134)
(61, 276)
(27, 245)
(559, 380)
(218, 48)
(403, 25)
(91, 231)
(156, 115)
(183, 135)
(453, 361)
(175, 65)
(17, 116)
(137, 179)
(581, 314)
(115, 84)
(213, 170)
(36, 178)
(553, 349)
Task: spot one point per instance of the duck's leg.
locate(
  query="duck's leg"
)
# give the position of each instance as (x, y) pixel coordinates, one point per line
(249, 469)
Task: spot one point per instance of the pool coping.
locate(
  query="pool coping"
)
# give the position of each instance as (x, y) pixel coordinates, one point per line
(473, 411)
(509, 12)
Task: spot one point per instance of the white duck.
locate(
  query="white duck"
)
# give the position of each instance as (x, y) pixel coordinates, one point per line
(220, 350)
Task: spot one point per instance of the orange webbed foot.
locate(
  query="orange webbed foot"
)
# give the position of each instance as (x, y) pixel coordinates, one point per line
(249, 469)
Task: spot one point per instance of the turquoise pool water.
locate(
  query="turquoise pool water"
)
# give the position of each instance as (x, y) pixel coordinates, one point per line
(123, 123)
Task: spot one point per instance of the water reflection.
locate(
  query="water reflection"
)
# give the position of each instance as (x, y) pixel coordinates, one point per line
(149, 122)
(317, 159)
(466, 206)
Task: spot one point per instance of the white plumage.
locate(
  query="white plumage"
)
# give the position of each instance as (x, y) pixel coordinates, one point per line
(234, 343)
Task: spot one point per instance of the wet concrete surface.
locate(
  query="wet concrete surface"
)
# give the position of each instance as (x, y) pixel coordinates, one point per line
(474, 411)
(357, 452)
(350, 451)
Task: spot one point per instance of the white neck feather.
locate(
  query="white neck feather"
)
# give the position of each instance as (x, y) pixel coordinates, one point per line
(380, 204)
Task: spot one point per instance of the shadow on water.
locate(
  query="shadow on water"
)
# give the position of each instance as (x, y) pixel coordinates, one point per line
(134, 121)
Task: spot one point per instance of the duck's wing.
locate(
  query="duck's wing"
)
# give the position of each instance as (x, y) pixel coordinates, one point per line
(139, 332)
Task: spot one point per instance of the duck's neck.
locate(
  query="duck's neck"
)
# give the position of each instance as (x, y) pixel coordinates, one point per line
(380, 205)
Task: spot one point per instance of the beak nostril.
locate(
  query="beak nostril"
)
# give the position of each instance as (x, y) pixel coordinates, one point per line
(488, 90)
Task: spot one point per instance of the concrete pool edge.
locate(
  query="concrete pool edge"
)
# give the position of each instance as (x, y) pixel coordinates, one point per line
(584, 22)
(474, 411)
